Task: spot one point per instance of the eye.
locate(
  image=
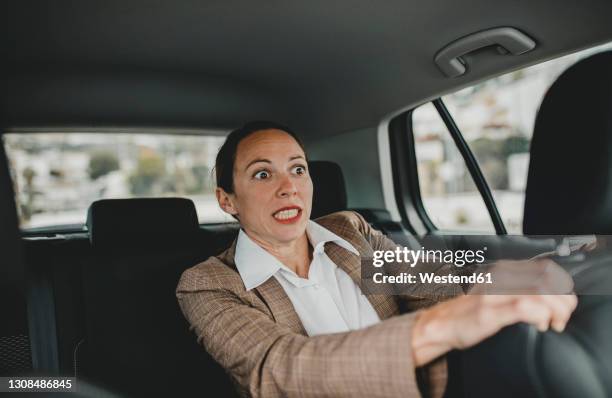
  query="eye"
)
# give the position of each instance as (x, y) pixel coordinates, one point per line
(299, 170)
(261, 175)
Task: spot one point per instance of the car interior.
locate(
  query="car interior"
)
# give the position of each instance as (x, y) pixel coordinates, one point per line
(95, 300)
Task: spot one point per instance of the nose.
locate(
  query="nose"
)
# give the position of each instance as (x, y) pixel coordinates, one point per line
(286, 187)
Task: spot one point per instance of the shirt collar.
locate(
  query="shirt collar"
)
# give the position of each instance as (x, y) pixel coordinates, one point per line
(255, 265)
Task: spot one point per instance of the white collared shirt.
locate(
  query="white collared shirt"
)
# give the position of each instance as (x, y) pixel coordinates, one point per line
(329, 301)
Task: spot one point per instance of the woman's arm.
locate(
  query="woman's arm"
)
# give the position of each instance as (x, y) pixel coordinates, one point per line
(269, 360)
(466, 320)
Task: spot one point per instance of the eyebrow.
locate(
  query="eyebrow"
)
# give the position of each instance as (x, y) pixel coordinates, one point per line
(260, 160)
(256, 161)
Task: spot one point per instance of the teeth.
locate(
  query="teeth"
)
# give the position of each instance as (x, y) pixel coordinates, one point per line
(286, 214)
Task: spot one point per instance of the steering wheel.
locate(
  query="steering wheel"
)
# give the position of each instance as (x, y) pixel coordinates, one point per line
(521, 361)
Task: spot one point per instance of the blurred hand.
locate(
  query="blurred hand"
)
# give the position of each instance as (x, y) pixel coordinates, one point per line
(589, 247)
(537, 292)
(534, 276)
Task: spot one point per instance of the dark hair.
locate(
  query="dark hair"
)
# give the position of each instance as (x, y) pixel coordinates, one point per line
(224, 164)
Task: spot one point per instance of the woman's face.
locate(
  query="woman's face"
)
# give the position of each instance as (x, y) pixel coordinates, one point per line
(272, 188)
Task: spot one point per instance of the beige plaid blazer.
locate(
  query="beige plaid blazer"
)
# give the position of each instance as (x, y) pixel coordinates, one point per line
(258, 338)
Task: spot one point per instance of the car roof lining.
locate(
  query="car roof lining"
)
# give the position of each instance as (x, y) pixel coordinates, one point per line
(320, 67)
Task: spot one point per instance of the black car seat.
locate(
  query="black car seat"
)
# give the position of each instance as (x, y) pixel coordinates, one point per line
(569, 185)
(15, 354)
(137, 340)
(17, 358)
(569, 191)
(329, 188)
(329, 196)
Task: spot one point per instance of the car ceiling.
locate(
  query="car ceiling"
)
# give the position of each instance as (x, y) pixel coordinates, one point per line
(320, 66)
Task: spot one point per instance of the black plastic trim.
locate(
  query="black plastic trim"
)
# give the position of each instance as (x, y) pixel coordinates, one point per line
(75, 229)
(472, 165)
(406, 177)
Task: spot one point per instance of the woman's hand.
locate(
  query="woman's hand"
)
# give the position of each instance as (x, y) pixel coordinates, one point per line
(467, 320)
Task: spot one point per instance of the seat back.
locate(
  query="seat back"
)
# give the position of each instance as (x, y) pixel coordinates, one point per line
(15, 355)
(329, 196)
(138, 342)
(329, 189)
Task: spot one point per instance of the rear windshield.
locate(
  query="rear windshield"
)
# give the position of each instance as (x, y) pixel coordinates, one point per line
(58, 175)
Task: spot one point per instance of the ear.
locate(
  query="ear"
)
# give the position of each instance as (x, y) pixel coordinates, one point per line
(226, 201)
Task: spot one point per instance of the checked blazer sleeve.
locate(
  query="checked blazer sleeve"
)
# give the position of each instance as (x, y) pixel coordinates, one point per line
(270, 359)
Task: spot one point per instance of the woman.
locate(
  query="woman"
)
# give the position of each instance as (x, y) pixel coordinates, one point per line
(282, 311)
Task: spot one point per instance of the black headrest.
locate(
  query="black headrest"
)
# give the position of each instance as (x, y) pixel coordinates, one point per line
(329, 193)
(569, 186)
(142, 223)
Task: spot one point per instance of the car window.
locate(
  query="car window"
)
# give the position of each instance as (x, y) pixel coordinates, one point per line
(496, 118)
(448, 192)
(58, 175)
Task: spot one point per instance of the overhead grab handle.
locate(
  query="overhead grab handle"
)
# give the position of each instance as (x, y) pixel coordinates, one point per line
(508, 41)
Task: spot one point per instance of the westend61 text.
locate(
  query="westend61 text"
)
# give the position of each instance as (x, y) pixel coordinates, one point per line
(430, 277)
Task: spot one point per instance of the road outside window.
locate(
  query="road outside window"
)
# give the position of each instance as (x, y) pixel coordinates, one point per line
(58, 175)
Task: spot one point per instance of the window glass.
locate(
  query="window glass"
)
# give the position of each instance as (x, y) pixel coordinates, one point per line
(448, 192)
(497, 118)
(58, 175)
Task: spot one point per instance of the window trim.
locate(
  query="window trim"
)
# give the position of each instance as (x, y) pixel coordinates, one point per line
(55, 231)
(406, 183)
(406, 177)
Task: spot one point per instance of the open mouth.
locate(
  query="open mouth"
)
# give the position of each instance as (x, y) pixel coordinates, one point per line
(287, 215)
